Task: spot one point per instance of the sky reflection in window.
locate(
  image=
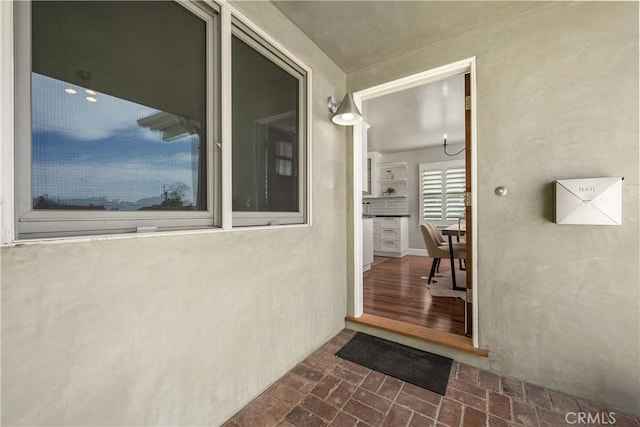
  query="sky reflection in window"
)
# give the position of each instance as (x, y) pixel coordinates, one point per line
(95, 151)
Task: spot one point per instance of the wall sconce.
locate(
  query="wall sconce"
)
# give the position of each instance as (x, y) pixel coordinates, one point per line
(444, 145)
(347, 114)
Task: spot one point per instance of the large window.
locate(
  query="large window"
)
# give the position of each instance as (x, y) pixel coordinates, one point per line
(442, 191)
(118, 108)
(268, 133)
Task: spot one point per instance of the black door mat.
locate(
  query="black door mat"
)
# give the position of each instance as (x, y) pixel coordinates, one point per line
(426, 370)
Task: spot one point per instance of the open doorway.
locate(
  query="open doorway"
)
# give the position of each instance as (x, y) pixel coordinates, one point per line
(397, 162)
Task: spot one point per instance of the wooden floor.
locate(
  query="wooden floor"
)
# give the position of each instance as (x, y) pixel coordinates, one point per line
(394, 289)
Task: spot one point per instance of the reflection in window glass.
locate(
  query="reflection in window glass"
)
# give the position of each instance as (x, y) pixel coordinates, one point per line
(95, 151)
(118, 114)
(265, 133)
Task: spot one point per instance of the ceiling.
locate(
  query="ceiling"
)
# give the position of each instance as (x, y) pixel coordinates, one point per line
(358, 34)
(416, 118)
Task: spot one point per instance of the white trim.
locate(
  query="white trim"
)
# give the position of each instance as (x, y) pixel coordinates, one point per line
(287, 65)
(426, 77)
(28, 221)
(127, 236)
(414, 80)
(7, 137)
(225, 5)
(211, 28)
(22, 110)
(7, 133)
(308, 148)
(358, 294)
(211, 106)
(227, 9)
(474, 202)
(225, 119)
(417, 252)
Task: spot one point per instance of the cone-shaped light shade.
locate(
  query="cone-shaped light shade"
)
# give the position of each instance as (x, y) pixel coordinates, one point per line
(348, 113)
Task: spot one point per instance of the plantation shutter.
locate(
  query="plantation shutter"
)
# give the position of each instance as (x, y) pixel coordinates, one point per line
(455, 189)
(442, 191)
(432, 195)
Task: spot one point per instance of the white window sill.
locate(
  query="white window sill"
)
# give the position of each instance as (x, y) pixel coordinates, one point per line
(128, 236)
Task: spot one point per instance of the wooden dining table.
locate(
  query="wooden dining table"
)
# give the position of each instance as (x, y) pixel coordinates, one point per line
(457, 230)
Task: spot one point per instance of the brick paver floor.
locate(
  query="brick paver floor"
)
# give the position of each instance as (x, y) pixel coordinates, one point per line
(325, 390)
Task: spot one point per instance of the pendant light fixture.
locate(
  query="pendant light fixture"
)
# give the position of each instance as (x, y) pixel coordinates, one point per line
(444, 146)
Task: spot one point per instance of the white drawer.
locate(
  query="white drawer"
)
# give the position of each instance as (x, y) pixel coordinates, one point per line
(390, 233)
(376, 225)
(376, 242)
(389, 245)
(386, 222)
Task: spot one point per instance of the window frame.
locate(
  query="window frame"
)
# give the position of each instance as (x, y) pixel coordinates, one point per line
(32, 223)
(442, 167)
(218, 144)
(283, 61)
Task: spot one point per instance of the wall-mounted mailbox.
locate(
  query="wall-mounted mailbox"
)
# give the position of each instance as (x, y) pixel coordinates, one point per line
(596, 201)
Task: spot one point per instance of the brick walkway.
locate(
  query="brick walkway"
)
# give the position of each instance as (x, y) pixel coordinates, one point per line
(325, 390)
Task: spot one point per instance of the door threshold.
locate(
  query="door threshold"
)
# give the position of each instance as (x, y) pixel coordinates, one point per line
(422, 333)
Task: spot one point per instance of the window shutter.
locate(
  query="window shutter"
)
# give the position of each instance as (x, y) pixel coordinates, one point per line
(432, 195)
(455, 189)
(442, 191)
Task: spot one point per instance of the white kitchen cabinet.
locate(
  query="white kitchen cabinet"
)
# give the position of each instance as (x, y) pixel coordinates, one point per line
(391, 236)
(367, 243)
(376, 235)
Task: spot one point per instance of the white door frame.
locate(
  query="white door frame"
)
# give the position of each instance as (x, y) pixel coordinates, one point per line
(429, 76)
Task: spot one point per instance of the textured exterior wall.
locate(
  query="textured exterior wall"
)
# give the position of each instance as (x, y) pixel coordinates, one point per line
(179, 330)
(557, 98)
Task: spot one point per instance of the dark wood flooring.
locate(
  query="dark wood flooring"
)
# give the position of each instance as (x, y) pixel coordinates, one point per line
(394, 289)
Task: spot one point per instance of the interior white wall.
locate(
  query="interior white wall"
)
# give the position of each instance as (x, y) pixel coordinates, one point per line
(413, 159)
(178, 330)
(557, 98)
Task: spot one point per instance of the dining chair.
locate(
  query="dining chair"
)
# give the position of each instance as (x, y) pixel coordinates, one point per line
(438, 250)
(442, 241)
(436, 232)
(460, 242)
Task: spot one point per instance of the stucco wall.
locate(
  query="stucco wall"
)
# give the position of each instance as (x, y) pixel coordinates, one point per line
(179, 330)
(557, 98)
